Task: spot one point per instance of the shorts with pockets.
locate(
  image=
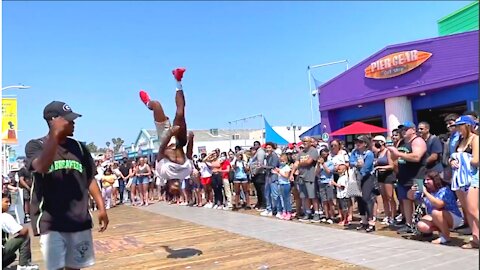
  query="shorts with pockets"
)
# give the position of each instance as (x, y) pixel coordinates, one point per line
(307, 190)
(67, 249)
(326, 192)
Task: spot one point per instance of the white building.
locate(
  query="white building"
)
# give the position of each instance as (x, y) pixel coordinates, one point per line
(208, 140)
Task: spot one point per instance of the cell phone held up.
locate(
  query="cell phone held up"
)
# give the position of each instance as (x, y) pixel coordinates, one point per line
(389, 143)
(420, 185)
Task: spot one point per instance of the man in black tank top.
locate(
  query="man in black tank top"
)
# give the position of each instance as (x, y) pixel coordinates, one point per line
(411, 158)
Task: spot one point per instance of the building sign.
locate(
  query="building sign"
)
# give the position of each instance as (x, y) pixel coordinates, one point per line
(396, 64)
(9, 120)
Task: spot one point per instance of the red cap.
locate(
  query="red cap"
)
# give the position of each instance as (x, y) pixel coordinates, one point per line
(264, 145)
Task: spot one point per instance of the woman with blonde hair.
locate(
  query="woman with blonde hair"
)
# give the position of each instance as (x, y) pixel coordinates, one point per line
(464, 163)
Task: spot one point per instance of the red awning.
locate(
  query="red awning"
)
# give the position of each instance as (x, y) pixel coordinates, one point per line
(358, 128)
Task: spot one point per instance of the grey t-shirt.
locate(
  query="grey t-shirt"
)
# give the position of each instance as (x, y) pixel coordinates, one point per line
(307, 173)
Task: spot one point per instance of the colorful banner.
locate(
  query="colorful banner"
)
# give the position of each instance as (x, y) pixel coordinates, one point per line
(9, 120)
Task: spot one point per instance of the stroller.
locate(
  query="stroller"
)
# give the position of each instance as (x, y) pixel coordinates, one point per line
(418, 213)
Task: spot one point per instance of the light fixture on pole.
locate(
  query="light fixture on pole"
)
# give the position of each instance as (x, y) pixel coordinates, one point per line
(16, 86)
(313, 92)
(294, 128)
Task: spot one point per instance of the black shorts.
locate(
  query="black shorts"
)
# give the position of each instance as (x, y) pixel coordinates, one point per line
(26, 195)
(343, 204)
(386, 177)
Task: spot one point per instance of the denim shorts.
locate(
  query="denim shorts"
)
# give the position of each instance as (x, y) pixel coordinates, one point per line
(139, 180)
(474, 182)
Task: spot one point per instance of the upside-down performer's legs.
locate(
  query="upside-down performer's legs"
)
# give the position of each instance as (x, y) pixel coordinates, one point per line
(162, 122)
(179, 120)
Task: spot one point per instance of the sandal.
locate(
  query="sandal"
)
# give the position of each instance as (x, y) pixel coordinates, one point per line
(470, 245)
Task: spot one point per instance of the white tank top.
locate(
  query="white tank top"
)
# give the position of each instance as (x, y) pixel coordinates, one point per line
(171, 170)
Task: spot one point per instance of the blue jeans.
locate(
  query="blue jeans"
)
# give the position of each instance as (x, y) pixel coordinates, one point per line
(121, 188)
(286, 205)
(272, 196)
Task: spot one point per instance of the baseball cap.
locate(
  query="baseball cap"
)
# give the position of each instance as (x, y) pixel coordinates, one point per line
(406, 125)
(379, 138)
(362, 138)
(59, 108)
(465, 120)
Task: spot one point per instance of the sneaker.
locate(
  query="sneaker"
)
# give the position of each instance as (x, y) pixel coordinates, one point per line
(384, 220)
(323, 220)
(279, 216)
(288, 216)
(266, 213)
(226, 208)
(399, 217)
(330, 221)
(28, 267)
(178, 73)
(304, 218)
(215, 206)
(144, 97)
(27, 218)
(407, 229)
(316, 218)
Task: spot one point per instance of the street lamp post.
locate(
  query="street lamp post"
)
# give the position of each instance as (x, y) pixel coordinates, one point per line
(3, 147)
(313, 93)
(294, 127)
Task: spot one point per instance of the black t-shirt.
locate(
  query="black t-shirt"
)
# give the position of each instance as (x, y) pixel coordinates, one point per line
(26, 174)
(125, 169)
(60, 197)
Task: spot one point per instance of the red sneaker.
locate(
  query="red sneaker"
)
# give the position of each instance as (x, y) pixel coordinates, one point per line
(178, 73)
(144, 97)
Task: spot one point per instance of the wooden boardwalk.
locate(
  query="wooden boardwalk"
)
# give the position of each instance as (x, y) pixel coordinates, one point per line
(138, 239)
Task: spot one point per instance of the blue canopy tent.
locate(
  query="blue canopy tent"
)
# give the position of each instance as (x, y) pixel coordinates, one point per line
(272, 136)
(315, 131)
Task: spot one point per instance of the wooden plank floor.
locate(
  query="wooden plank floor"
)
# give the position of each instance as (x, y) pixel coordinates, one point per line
(137, 239)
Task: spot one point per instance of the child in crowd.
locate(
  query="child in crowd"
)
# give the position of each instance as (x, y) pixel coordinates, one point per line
(284, 187)
(107, 182)
(343, 201)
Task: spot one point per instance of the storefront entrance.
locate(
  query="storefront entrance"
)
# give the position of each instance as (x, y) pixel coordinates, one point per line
(436, 115)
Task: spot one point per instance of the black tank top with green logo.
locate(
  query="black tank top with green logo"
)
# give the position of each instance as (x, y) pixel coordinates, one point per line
(407, 170)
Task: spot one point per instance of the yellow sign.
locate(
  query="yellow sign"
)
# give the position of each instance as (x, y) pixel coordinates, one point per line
(9, 120)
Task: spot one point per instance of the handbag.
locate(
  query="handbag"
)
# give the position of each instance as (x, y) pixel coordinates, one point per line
(129, 184)
(353, 185)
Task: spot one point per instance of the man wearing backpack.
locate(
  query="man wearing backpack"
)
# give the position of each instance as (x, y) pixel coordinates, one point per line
(434, 148)
(63, 173)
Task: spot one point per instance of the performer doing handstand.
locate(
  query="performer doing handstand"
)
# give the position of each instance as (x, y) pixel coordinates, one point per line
(172, 162)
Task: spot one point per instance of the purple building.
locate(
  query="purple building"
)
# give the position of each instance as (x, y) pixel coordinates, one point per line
(417, 81)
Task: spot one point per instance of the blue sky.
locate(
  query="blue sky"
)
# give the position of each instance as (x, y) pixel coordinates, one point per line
(242, 58)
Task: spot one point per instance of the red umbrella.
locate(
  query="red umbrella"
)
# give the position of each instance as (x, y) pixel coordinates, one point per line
(358, 128)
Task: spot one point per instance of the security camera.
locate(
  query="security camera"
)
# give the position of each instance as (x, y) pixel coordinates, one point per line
(314, 92)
